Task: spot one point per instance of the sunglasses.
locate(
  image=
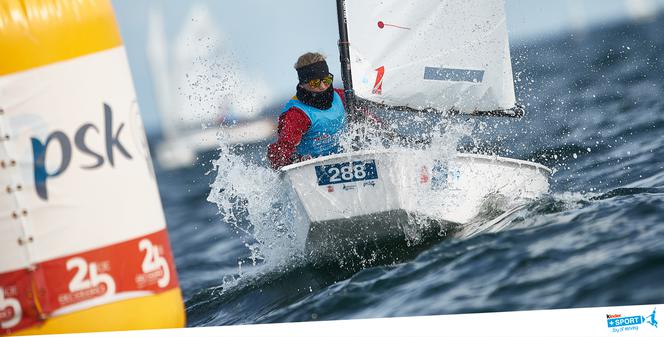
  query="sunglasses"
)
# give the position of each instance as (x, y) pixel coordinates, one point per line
(327, 80)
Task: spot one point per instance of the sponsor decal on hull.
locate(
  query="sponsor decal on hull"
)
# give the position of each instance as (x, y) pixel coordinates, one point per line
(346, 172)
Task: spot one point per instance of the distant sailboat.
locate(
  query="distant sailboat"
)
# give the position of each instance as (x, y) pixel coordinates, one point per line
(203, 94)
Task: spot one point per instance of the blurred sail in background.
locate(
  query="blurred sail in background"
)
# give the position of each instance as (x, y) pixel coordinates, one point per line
(641, 10)
(581, 14)
(203, 93)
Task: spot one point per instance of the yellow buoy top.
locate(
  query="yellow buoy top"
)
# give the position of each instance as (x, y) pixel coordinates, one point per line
(34, 33)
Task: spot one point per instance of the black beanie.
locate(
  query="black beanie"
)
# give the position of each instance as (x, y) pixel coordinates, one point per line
(313, 71)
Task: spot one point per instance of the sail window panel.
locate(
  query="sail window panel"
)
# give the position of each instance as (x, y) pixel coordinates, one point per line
(454, 75)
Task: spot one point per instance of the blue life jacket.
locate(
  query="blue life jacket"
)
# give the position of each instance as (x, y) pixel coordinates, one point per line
(322, 138)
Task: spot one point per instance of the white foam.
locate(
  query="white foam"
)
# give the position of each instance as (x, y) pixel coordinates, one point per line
(257, 204)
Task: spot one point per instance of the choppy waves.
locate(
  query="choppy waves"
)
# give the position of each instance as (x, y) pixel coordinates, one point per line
(595, 115)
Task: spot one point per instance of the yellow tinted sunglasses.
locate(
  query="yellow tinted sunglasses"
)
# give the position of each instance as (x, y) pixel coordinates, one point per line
(327, 80)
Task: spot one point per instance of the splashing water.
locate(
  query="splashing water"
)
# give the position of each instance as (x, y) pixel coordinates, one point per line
(263, 210)
(589, 247)
(254, 201)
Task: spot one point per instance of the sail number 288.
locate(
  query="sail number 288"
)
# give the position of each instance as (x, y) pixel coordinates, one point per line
(346, 172)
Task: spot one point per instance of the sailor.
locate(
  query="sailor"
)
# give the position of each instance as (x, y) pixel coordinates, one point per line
(313, 119)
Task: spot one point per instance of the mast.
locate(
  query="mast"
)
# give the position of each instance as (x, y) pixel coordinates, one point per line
(344, 55)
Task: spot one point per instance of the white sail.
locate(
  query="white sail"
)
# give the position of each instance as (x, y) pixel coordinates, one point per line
(204, 91)
(198, 78)
(212, 81)
(445, 55)
(641, 10)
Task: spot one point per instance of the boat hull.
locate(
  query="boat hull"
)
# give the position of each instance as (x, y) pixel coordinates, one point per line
(377, 196)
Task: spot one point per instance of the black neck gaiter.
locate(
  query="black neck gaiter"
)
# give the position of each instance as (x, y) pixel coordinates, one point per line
(319, 100)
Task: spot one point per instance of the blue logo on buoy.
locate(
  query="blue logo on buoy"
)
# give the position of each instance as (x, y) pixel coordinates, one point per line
(112, 141)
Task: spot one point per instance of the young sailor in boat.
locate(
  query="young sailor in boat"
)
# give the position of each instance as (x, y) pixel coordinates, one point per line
(313, 119)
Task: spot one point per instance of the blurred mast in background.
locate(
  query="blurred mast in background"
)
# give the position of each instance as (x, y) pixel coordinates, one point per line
(161, 79)
(203, 94)
(578, 18)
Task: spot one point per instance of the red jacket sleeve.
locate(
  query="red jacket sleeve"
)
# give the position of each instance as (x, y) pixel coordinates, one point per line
(292, 125)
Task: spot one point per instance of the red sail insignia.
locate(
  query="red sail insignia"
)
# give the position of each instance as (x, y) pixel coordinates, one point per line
(378, 86)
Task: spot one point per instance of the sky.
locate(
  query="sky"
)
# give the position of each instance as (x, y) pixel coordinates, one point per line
(267, 36)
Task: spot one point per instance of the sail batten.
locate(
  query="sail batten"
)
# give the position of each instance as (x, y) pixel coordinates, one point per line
(431, 55)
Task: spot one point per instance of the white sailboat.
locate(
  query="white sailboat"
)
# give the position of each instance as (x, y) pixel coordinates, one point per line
(425, 55)
(203, 93)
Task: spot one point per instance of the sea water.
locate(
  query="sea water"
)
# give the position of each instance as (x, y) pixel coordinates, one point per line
(595, 115)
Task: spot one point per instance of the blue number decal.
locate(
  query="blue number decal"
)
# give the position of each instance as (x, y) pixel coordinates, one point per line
(346, 172)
